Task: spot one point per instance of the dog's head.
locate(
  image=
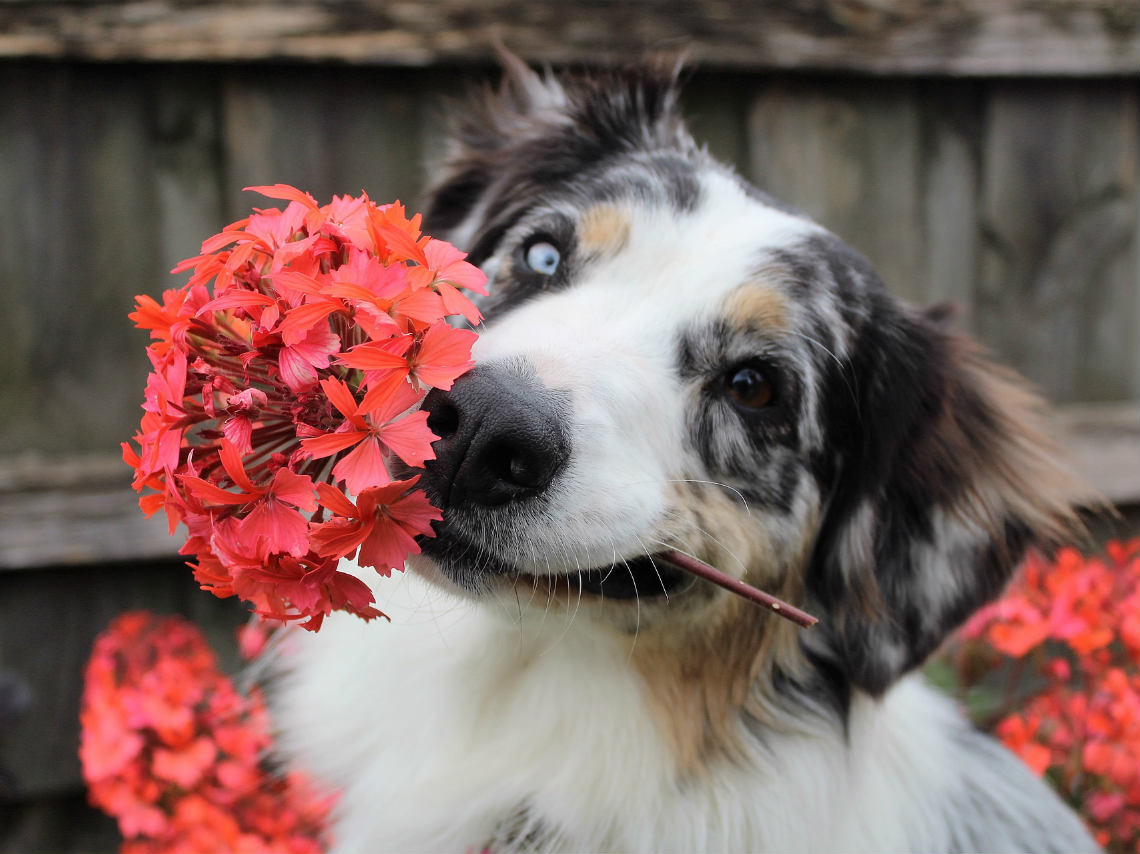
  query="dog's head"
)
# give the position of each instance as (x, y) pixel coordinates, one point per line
(673, 360)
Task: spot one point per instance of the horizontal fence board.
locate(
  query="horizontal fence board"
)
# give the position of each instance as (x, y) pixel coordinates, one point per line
(83, 511)
(1105, 443)
(965, 37)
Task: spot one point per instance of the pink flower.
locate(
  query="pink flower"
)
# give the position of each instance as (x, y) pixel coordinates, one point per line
(297, 356)
(383, 523)
(208, 792)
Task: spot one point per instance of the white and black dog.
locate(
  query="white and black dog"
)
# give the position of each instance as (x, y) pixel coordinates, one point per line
(673, 360)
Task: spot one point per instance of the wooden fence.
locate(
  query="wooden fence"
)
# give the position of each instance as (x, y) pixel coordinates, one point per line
(985, 151)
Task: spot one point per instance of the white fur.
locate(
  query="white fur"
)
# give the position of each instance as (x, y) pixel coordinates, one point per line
(440, 724)
(610, 342)
(462, 724)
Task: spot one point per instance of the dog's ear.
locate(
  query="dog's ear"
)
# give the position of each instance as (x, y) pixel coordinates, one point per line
(513, 144)
(480, 132)
(943, 476)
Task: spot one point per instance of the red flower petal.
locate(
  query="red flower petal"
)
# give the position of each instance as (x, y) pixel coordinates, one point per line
(340, 396)
(331, 443)
(278, 527)
(337, 501)
(299, 322)
(364, 466)
(339, 537)
(378, 355)
(386, 547)
(444, 354)
(297, 371)
(213, 494)
(295, 489)
(410, 438)
(284, 192)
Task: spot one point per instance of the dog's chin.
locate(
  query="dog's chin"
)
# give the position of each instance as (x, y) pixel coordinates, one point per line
(474, 572)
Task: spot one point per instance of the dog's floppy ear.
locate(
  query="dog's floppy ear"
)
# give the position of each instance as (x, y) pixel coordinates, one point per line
(515, 143)
(944, 476)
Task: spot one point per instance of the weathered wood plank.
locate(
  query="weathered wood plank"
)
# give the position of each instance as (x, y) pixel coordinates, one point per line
(111, 177)
(850, 157)
(186, 143)
(966, 37)
(326, 131)
(1058, 292)
(1104, 440)
(79, 510)
(716, 108)
(79, 237)
(951, 122)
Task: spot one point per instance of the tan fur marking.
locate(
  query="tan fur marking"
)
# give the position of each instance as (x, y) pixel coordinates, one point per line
(603, 230)
(706, 667)
(758, 305)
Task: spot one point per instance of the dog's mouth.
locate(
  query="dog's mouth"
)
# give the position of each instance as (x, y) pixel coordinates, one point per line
(639, 578)
(645, 577)
(636, 578)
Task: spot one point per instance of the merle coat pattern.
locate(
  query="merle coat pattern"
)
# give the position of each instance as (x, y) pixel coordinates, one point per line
(673, 360)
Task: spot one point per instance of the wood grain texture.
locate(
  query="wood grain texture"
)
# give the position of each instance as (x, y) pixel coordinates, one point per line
(850, 157)
(1058, 287)
(327, 131)
(959, 37)
(104, 186)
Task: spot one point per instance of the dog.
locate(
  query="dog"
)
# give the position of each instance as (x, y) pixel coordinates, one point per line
(673, 360)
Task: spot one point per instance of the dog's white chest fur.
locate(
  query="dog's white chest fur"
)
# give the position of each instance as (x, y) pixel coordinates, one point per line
(454, 728)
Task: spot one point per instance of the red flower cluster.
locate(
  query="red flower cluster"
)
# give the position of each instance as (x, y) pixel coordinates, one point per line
(1074, 626)
(296, 380)
(174, 752)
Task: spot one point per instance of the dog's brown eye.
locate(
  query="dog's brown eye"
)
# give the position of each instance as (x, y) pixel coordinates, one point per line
(749, 387)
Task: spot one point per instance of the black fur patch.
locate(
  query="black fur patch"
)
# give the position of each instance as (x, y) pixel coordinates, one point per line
(526, 145)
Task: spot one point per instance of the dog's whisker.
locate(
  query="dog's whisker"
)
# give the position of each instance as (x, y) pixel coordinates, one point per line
(721, 484)
(839, 363)
(656, 571)
(636, 602)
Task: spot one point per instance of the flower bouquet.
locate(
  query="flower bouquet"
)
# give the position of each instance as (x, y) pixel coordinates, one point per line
(280, 397)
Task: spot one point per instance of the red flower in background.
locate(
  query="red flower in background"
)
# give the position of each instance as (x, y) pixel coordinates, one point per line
(172, 751)
(1072, 627)
(300, 373)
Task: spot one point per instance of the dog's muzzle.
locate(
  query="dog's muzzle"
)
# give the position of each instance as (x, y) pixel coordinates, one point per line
(502, 439)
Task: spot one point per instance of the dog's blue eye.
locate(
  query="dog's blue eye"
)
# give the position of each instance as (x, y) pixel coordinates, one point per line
(543, 257)
(749, 387)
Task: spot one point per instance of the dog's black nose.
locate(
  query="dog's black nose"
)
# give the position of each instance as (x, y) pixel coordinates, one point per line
(501, 439)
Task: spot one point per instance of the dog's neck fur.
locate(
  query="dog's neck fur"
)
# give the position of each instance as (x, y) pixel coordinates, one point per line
(487, 730)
